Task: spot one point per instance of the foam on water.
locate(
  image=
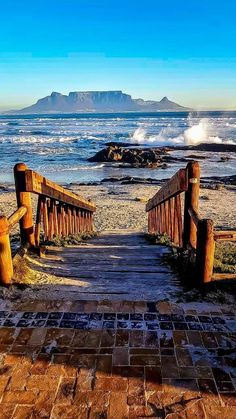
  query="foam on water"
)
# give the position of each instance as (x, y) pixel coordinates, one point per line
(60, 145)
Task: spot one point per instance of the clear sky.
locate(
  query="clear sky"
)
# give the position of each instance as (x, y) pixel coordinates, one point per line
(183, 49)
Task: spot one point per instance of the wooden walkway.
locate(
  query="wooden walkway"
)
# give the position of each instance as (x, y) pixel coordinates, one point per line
(115, 264)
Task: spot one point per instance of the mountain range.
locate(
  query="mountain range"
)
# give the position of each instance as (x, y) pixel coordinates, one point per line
(98, 101)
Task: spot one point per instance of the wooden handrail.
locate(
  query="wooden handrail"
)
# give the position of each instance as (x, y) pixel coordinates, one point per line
(16, 216)
(59, 211)
(177, 184)
(40, 185)
(198, 235)
(225, 235)
(194, 215)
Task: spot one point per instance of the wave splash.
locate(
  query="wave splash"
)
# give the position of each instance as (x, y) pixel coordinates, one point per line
(194, 134)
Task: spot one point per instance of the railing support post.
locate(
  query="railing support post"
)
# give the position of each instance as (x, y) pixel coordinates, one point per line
(24, 198)
(191, 201)
(6, 266)
(205, 251)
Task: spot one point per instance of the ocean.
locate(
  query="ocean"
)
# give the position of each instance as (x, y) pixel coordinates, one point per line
(58, 146)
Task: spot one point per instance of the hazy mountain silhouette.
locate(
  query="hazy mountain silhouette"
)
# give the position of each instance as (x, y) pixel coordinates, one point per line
(98, 101)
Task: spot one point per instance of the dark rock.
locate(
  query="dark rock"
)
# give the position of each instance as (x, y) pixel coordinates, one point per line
(223, 180)
(197, 157)
(224, 158)
(136, 157)
(212, 147)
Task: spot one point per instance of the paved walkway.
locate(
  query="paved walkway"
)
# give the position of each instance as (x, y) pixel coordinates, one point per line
(116, 358)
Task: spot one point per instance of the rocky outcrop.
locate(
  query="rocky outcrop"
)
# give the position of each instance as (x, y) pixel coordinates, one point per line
(135, 157)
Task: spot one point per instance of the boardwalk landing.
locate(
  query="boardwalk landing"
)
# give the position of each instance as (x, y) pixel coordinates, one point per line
(81, 353)
(116, 264)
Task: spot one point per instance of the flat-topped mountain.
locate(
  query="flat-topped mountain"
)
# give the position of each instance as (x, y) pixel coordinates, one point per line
(98, 101)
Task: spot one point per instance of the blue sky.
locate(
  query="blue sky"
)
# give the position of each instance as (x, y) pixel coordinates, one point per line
(183, 49)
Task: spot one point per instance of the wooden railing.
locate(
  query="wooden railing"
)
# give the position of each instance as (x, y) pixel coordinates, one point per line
(60, 212)
(186, 228)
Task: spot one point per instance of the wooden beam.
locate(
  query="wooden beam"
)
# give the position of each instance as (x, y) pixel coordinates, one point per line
(225, 235)
(24, 199)
(40, 185)
(221, 277)
(177, 184)
(16, 216)
(191, 201)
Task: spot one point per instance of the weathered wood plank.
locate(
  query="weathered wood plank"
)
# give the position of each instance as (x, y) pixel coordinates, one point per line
(40, 185)
(177, 184)
(16, 216)
(225, 235)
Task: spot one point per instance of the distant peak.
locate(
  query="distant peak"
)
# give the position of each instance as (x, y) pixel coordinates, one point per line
(164, 99)
(53, 94)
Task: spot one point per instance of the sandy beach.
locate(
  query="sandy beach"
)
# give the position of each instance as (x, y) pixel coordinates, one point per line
(123, 206)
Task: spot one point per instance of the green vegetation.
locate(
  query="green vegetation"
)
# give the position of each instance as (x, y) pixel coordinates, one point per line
(225, 257)
(162, 239)
(69, 240)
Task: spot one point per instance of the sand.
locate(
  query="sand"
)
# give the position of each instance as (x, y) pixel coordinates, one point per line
(118, 206)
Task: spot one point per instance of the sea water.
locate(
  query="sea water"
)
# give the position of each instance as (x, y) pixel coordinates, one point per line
(58, 146)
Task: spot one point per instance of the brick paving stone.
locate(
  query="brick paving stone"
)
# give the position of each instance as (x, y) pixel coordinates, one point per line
(228, 399)
(113, 383)
(122, 338)
(142, 412)
(127, 371)
(136, 338)
(20, 396)
(151, 340)
(60, 336)
(40, 365)
(8, 335)
(104, 365)
(23, 412)
(142, 360)
(7, 410)
(120, 356)
(23, 336)
(209, 340)
(225, 386)
(93, 339)
(37, 336)
(44, 404)
(179, 337)
(66, 390)
(107, 338)
(40, 382)
(153, 379)
(188, 372)
(183, 357)
(70, 412)
(194, 338)
(118, 407)
(19, 378)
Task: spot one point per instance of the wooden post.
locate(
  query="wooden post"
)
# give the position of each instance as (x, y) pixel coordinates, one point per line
(24, 198)
(38, 220)
(179, 219)
(191, 200)
(205, 251)
(55, 218)
(6, 266)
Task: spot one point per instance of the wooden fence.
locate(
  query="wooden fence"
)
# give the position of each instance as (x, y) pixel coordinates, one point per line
(60, 212)
(186, 228)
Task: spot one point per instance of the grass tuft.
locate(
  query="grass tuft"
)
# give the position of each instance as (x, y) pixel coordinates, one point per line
(69, 240)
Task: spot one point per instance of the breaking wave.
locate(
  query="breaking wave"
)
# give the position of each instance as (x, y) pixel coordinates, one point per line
(196, 133)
